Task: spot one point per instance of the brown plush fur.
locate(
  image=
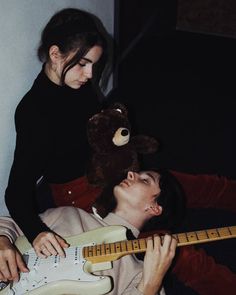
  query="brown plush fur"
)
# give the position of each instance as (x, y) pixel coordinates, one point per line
(114, 150)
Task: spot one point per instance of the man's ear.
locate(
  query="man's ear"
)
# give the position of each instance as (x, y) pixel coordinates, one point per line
(156, 209)
(54, 53)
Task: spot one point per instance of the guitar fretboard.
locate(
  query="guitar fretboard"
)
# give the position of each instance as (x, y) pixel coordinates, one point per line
(114, 251)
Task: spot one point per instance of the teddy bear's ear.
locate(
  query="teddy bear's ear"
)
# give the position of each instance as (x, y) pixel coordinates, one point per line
(120, 107)
(144, 144)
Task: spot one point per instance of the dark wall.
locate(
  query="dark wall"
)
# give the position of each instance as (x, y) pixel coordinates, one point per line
(207, 16)
(179, 87)
(135, 17)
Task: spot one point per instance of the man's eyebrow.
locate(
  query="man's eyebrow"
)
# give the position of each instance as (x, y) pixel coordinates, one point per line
(152, 176)
(86, 59)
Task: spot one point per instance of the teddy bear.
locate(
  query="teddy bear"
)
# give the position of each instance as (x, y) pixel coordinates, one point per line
(114, 151)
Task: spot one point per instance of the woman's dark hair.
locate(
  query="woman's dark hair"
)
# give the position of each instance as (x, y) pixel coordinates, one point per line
(73, 29)
(171, 198)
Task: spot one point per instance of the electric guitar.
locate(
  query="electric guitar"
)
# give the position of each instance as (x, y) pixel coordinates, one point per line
(89, 252)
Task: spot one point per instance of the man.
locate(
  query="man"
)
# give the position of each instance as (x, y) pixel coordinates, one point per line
(137, 201)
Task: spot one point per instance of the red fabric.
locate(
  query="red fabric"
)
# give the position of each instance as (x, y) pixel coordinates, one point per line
(193, 266)
(208, 191)
(77, 193)
(200, 272)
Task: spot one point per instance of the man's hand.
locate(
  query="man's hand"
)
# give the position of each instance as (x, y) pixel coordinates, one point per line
(11, 261)
(157, 261)
(48, 243)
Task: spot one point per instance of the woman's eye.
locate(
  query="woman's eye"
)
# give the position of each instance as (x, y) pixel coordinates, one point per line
(81, 64)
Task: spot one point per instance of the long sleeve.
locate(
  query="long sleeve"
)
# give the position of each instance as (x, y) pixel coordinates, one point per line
(208, 191)
(9, 228)
(51, 141)
(30, 159)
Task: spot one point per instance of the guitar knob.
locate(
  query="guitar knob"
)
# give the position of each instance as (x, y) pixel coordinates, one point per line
(34, 284)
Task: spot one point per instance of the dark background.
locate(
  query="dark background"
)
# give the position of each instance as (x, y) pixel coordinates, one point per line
(175, 71)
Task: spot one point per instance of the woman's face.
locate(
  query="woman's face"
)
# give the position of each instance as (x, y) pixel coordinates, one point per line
(81, 72)
(138, 189)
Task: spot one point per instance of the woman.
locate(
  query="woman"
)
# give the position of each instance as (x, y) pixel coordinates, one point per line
(50, 120)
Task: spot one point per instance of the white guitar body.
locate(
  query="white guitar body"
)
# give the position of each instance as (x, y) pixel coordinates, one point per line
(71, 275)
(89, 252)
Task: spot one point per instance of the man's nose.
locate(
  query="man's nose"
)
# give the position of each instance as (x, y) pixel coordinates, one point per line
(131, 175)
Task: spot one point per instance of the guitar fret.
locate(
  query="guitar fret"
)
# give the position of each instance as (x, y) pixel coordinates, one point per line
(191, 236)
(202, 235)
(211, 233)
(117, 247)
(182, 238)
(186, 236)
(98, 250)
(196, 235)
(103, 251)
(224, 231)
(114, 251)
(139, 246)
(143, 244)
(90, 250)
(94, 250)
(135, 244)
(108, 249)
(123, 246)
(129, 246)
(112, 247)
(176, 237)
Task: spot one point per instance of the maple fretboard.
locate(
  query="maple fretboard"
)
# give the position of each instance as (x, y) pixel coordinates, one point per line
(113, 251)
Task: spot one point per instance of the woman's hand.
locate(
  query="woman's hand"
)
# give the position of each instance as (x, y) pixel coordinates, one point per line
(11, 261)
(49, 243)
(158, 258)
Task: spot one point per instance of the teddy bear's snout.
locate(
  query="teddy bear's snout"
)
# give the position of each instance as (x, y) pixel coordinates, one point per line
(121, 136)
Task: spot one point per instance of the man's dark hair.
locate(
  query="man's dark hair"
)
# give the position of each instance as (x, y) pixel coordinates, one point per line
(171, 198)
(173, 202)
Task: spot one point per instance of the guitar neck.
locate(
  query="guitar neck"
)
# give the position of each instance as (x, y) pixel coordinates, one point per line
(113, 251)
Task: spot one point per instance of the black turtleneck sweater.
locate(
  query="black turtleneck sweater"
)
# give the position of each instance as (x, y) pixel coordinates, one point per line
(51, 141)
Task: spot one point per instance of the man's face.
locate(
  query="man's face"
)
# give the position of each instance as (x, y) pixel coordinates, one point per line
(138, 189)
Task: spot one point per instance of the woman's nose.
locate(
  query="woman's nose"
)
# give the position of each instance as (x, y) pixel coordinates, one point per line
(89, 72)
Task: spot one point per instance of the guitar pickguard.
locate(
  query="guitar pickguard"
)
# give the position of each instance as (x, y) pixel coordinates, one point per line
(69, 275)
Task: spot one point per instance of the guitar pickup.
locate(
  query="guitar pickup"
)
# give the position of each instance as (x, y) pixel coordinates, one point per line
(56, 260)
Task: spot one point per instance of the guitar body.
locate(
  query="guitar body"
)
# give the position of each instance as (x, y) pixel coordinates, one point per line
(89, 252)
(71, 275)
